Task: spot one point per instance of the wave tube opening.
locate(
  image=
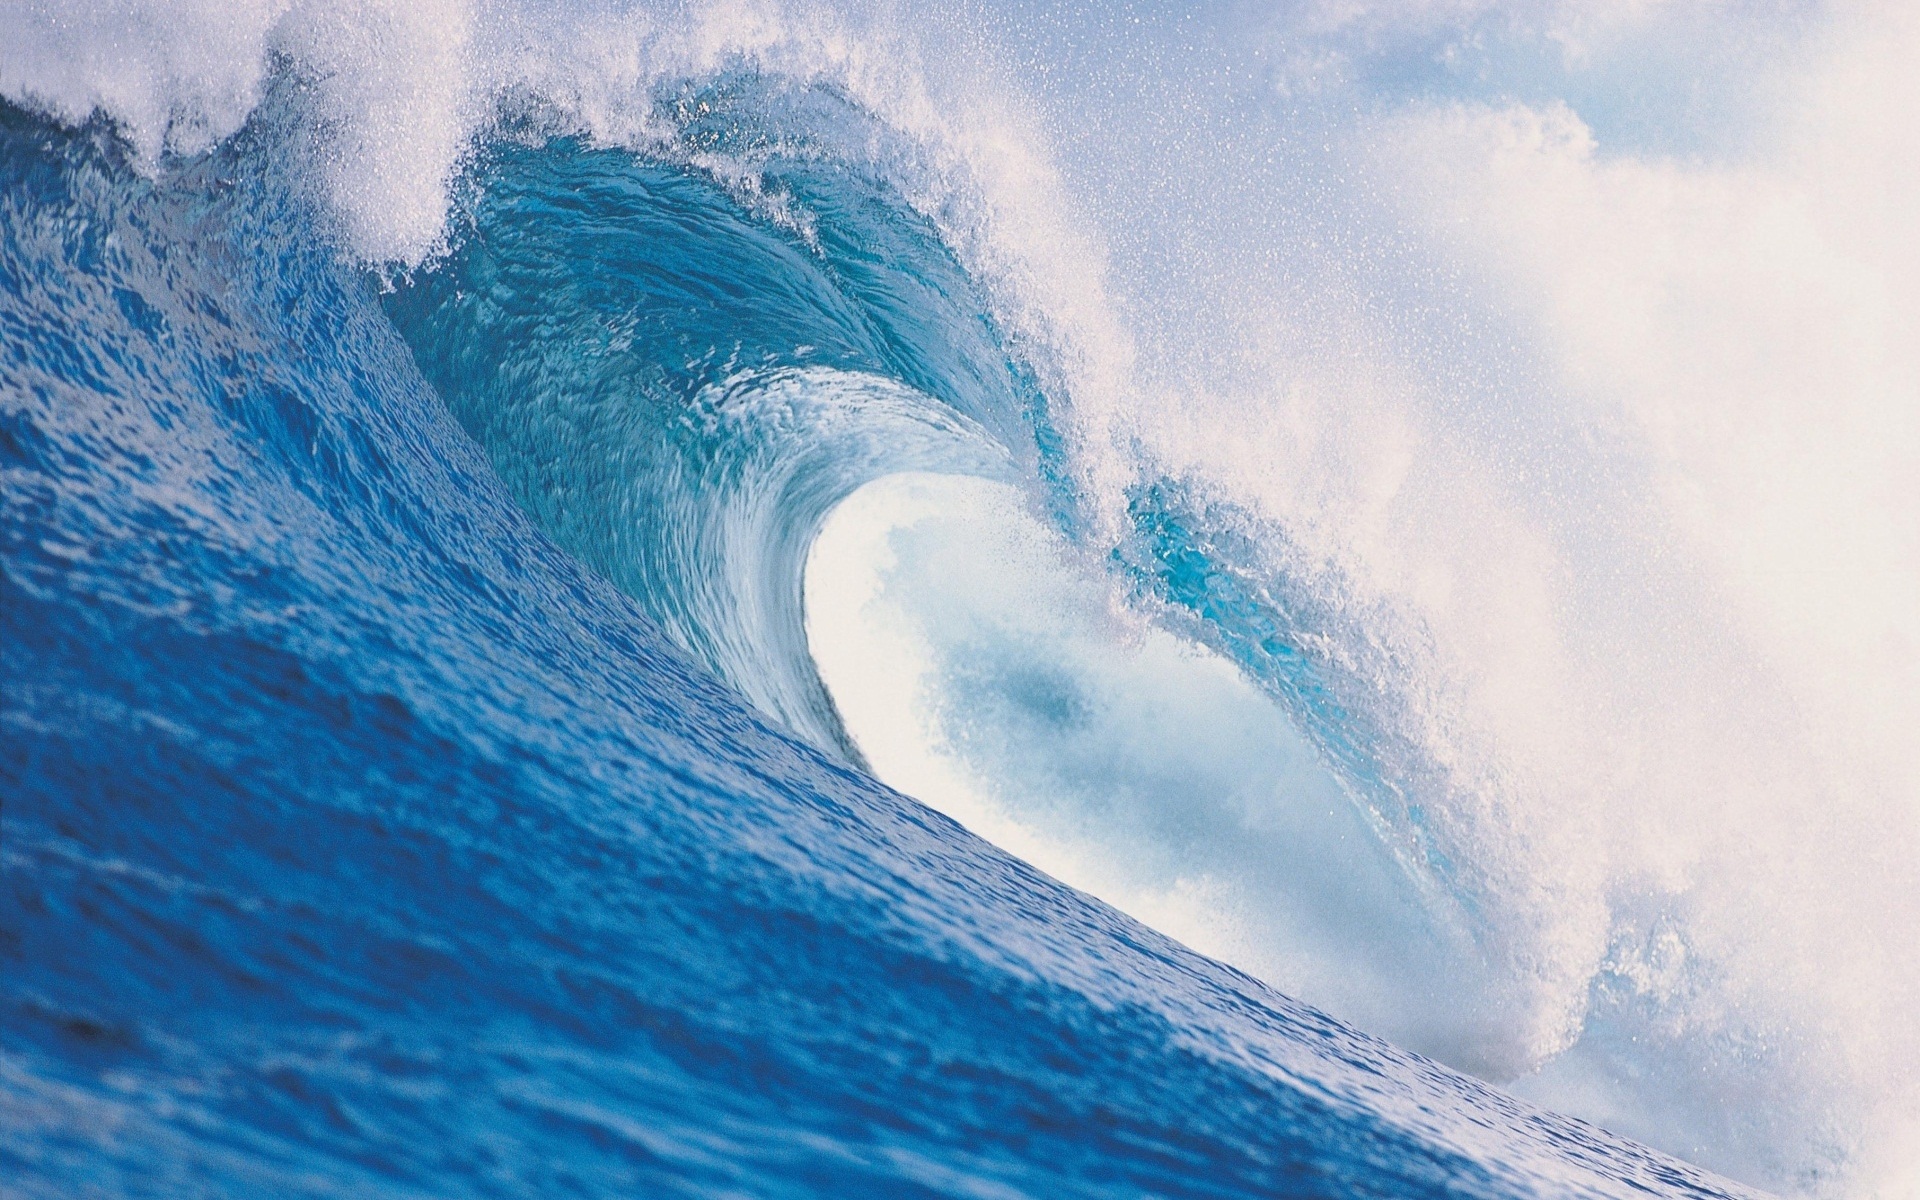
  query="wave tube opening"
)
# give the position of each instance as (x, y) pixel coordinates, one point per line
(985, 667)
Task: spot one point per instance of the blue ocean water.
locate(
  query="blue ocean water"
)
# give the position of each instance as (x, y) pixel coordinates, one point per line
(365, 833)
(1291, 484)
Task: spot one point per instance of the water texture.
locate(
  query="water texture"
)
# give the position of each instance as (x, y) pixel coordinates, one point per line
(584, 585)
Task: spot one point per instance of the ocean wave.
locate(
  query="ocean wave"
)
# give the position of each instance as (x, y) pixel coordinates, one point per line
(352, 353)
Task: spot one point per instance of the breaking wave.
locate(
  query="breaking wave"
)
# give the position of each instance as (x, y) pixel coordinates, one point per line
(1441, 550)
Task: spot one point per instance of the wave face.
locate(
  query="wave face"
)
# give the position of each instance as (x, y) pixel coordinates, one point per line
(496, 493)
(679, 389)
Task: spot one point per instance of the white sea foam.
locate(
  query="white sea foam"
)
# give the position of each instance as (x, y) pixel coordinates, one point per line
(1611, 445)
